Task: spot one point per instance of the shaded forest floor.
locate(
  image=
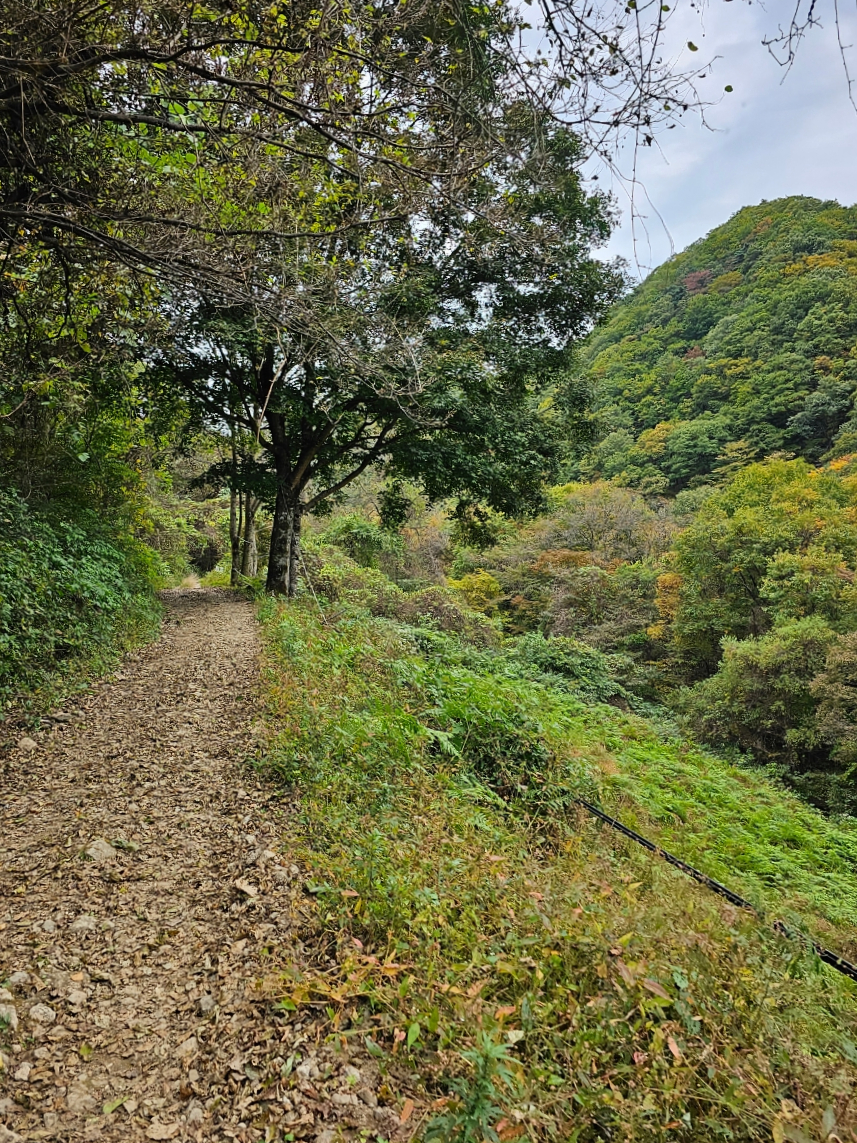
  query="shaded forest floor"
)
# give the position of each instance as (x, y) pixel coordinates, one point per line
(148, 915)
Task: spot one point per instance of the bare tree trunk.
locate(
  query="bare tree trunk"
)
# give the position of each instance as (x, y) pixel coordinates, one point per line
(234, 537)
(283, 553)
(235, 512)
(280, 557)
(284, 558)
(249, 548)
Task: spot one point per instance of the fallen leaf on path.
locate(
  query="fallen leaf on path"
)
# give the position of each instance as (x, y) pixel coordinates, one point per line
(162, 1130)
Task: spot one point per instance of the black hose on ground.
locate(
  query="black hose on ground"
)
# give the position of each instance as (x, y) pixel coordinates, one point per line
(833, 959)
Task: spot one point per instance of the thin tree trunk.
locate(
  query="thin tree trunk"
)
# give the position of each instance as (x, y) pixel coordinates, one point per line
(235, 510)
(284, 557)
(295, 554)
(249, 550)
(234, 537)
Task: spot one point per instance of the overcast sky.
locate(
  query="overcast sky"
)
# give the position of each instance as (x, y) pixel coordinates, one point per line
(775, 135)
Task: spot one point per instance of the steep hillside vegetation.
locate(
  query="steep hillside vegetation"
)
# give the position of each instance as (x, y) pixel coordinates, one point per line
(534, 975)
(743, 345)
(734, 605)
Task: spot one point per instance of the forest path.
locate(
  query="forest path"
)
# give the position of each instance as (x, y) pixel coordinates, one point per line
(145, 910)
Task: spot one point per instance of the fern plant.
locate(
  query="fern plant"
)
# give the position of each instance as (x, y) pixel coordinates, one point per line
(470, 1117)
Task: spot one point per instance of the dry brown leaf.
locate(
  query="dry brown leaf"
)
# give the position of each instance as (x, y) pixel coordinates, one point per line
(656, 988)
(162, 1130)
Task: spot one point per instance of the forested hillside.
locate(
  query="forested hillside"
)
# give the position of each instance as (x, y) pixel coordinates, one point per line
(741, 346)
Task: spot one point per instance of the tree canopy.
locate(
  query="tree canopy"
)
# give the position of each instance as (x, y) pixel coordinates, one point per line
(439, 353)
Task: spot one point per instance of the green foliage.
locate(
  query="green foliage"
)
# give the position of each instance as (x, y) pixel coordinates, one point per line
(187, 535)
(758, 591)
(337, 578)
(586, 571)
(360, 538)
(446, 368)
(742, 345)
(558, 978)
(760, 696)
(471, 1117)
(71, 592)
(480, 589)
(593, 672)
(835, 690)
(777, 543)
(744, 585)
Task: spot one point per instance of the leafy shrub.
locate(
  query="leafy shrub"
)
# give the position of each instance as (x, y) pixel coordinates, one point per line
(361, 539)
(335, 577)
(777, 543)
(592, 671)
(69, 591)
(761, 697)
(480, 589)
(835, 691)
(441, 608)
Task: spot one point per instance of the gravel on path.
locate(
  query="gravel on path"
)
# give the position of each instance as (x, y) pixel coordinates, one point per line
(145, 908)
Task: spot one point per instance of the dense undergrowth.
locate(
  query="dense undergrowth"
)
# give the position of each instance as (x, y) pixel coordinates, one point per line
(733, 605)
(74, 593)
(544, 978)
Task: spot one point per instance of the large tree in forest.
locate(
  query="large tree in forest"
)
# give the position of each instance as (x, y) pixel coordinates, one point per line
(261, 156)
(437, 350)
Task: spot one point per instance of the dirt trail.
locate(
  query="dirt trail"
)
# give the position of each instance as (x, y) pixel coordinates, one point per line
(144, 904)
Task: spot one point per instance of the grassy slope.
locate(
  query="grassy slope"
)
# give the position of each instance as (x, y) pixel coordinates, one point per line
(735, 824)
(538, 972)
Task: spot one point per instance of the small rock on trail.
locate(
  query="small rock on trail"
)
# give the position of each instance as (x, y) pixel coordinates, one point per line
(132, 941)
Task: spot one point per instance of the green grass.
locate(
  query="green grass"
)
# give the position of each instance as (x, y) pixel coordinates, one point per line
(740, 828)
(543, 977)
